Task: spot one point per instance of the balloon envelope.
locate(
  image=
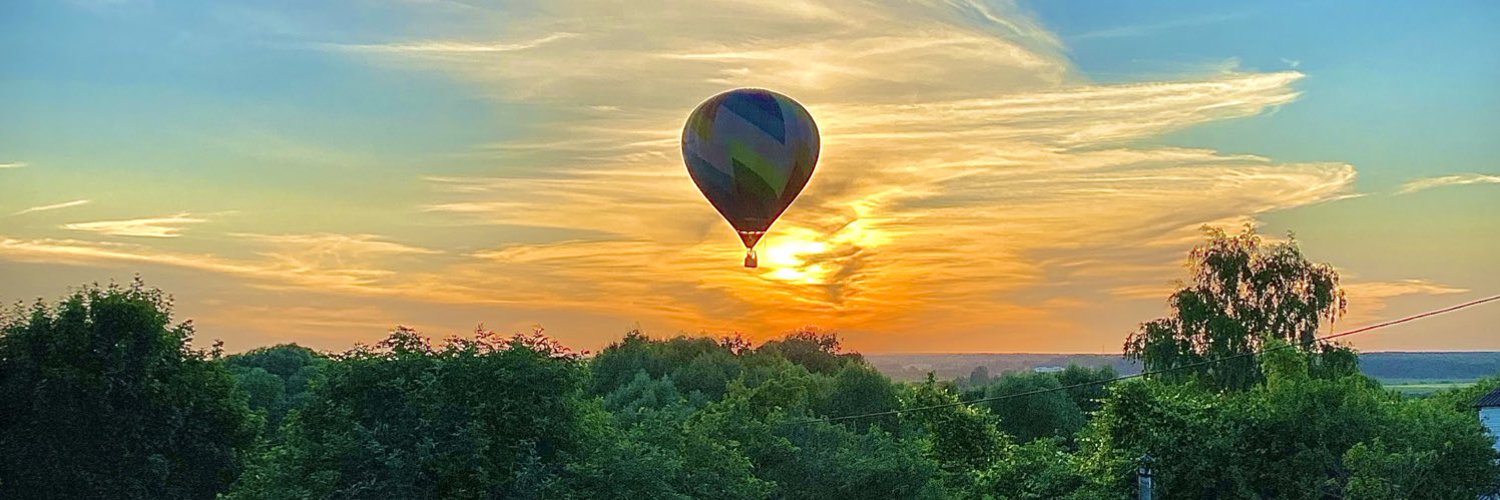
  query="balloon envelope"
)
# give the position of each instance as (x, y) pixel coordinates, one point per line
(751, 151)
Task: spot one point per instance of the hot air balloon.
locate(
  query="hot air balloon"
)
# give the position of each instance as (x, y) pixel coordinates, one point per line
(751, 151)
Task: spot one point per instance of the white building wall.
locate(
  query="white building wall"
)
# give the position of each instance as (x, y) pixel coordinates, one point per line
(1490, 417)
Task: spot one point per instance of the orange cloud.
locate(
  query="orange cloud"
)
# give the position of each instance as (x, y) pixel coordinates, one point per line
(964, 165)
(970, 178)
(169, 226)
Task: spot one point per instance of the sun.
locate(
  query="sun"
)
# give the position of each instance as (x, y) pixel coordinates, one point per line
(791, 259)
(802, 255)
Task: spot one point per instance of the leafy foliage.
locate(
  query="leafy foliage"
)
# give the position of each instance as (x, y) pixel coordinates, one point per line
(101, 396)
(276, 379)
(1243, 292)
(1036, 404)
(1297, 436)
(1045, 414)
(475, 418)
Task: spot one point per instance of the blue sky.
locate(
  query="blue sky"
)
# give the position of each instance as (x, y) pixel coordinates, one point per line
(1402, 90)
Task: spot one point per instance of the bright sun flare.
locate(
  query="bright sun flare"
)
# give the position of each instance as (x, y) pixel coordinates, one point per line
(789, 260)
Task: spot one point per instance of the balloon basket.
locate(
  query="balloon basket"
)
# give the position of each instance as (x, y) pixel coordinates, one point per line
(751, 262)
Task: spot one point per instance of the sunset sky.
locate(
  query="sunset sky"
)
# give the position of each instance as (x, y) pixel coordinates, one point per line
(994, 177)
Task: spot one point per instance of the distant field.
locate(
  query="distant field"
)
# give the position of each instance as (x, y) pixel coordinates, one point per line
(1410, 372)
(1411, 388)
(914, 367)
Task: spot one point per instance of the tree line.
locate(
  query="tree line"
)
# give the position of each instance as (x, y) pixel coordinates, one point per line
(103, 396)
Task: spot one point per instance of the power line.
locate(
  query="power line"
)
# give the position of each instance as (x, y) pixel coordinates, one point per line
(1363, 329)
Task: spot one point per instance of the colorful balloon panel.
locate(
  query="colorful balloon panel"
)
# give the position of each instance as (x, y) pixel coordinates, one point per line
(751, 151)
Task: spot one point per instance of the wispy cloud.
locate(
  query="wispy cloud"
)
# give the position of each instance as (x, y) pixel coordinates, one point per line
(433, 47)
(331, 243)
(358, 263)
(966, 169)
(83, 252)
(828, 50)
(14, 164)
(1447, 180)
(1368, 300)
(55, 206)
(169, 226)
(363, 255)
(1388, 289)
(100, 5)
(1145, 29)
(308, 325)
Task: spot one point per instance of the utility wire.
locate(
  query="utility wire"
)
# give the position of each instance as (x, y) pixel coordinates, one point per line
(1363, 329)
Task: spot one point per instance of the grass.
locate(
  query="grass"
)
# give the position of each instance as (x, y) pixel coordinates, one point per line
(1418, 387)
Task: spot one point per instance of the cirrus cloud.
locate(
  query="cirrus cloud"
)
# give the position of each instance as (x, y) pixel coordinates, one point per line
(169, 226)
(967, 169)
(1426, 183)
(54, 206)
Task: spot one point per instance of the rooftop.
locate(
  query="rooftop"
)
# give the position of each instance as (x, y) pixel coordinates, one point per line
(1490, 400)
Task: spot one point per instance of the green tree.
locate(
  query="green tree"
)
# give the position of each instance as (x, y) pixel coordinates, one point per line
(276, 379)
(1181, 425)
(477, 418)
(1045, 414)
(1464, 398)
(962, 439)
(834, 462)
(1243, 291)
(658, 454)
(859, 390)
(1087, 385)
(642, 394)
(1295, 436)
(102, 396)
(1378, 471)
(810, 459)
(819, 352)
(979, 376)
(1040, 469)
(695, 363)
(700, 418)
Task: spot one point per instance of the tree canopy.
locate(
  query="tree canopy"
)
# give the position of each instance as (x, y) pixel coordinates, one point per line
(1242, 292)
(103, 396)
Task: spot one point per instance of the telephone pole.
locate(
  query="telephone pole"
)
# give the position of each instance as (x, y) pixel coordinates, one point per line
(1144, 481)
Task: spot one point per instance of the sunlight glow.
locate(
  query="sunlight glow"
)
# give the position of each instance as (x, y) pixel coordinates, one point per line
(805, 256)
(790, 259)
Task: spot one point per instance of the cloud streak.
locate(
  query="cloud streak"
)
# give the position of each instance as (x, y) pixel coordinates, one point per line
(434, 47)
(14, 164)
(356, 264)
(1139, 30)
(1447, 180)
(1370, 299)
(1387, 289)
(55, 206)
(170, 226)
